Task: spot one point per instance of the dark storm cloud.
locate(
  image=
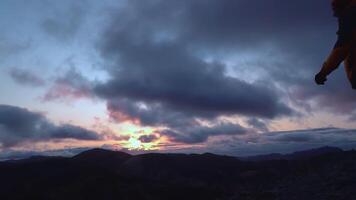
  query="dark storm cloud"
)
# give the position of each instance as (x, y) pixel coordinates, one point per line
(199, 134)
(302, 31)
(26, 77)
(182, 81)
(155, 47)
(19, 125)
(70, 131)
(216, 23)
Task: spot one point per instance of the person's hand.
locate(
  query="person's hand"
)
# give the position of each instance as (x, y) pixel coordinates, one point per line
(320, 79)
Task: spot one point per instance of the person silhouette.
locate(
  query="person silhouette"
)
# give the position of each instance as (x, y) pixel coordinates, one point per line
(345, 46)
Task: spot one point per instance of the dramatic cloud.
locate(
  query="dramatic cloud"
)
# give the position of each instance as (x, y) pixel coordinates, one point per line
(175, 53)
(71, 85)
(147, 138)
(19, 125)
(168, 62)
(198, 134)
(258, 124)
(158, 56)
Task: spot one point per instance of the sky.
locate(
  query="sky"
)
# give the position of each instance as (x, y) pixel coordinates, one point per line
(232, 77)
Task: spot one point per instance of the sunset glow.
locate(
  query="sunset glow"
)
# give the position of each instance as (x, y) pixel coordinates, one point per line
(134, 144)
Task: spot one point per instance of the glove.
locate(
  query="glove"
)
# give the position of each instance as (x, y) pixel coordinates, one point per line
(320, 79)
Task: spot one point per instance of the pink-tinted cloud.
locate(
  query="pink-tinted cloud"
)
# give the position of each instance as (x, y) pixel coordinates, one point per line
(70, 86)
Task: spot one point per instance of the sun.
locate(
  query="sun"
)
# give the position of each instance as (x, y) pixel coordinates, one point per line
(134, 143)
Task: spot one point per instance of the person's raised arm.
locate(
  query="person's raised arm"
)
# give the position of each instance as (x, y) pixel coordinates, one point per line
(339, 52)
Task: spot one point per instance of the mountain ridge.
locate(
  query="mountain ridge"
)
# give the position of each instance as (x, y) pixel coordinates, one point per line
(325, 173)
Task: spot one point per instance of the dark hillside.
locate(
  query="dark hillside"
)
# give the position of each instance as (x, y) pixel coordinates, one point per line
(103, 174)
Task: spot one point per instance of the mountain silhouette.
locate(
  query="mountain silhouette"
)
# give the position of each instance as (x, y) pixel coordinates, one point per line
(102, 158)
(324, 173)
(293, 156)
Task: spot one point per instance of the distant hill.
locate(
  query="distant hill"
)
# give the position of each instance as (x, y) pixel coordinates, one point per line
(293, 156)
(103, 158)
(324, 173)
